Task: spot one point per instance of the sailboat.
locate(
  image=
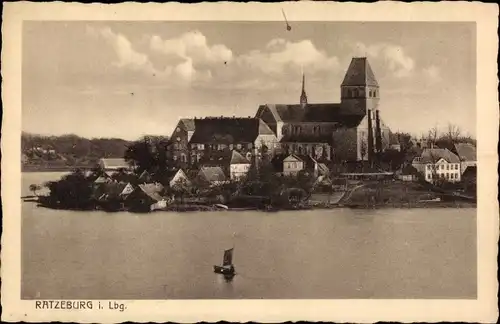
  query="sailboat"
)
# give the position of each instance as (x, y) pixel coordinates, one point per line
(227, 267)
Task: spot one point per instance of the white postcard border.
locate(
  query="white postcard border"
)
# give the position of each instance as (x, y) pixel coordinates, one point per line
(484, 309)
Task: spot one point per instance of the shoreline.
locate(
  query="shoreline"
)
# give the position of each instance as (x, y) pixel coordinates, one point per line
(212, 208)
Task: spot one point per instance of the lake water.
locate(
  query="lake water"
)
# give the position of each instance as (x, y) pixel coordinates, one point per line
(340, 253)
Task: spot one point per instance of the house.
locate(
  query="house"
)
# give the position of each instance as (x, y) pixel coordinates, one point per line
(146, 197)
(277, 162)
(113, 164)
(469, 179)
(181, 137)
(467, 154)
(145, 177)
(177, 177)
(112, 190)
(250, 137)
(233, 164)
(351, 130)
(213, 175)
(295, 163)
(438, 163)
(239, 166)
(407, 173)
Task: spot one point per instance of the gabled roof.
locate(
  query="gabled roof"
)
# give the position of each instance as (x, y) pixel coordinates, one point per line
(466, 151)
(212, 174)
(359, 73)
(408, 169)
(308, 160)
(188, 124)
(323, 169)
(101, 179)
(237, 158)
(432, 155)
(114, 163)
(145, 176)
(264, 129)
(152, 190)
(471, 170)
(228, 130)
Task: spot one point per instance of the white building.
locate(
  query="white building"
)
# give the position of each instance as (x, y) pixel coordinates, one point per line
(239, 165)
(437, 163)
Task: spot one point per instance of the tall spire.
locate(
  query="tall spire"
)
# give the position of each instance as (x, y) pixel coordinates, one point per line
(303, 96)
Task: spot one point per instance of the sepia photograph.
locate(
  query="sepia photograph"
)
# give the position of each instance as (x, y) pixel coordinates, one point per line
(279, 159)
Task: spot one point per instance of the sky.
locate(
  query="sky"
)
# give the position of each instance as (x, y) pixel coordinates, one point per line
(128, 79)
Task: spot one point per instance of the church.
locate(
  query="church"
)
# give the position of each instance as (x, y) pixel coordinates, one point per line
(351, 130)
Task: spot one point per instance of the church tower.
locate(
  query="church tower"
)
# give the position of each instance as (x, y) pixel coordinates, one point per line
(360, 90)
(303, 95)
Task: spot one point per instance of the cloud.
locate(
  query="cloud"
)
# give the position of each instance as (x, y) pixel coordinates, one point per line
(192, 46)
(190, 59)
(394, 56)
(432, 73)
(126, 55)
(280, 54)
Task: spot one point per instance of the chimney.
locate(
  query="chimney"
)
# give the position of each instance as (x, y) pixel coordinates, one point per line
(370, 137)
(378, 133)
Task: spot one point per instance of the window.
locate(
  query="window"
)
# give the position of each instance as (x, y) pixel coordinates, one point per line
(193, 146)
(451, 175)
(238, 146)
(447, 175)
(284, 130)
(231, 146)
(447, 167)
(456, 166)
(175, 157)
(177, 129)
(249, 146)
(183, 158)
(442, 166)
(428, 176)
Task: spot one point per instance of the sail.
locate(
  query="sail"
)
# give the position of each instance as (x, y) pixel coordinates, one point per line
(228, 257)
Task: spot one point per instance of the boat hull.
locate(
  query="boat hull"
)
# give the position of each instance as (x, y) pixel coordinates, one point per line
(227, 271)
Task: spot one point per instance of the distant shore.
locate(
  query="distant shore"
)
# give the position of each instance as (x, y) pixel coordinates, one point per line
(27, 169)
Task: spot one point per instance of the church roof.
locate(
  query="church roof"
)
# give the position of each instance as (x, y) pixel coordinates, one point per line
(229, 130)
(359, 73)
(323, 112)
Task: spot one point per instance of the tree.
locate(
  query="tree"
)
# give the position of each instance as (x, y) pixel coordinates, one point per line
(432, 135)
(453, 133)
(181, 188)
(150, 153)
(34, 188)
(72, 191)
